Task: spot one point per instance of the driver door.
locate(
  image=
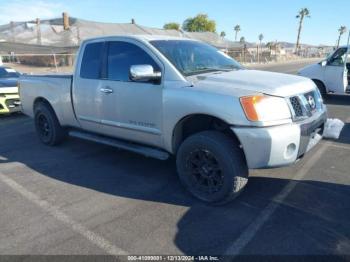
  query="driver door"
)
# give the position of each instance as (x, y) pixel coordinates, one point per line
(130, 110)
(336, 72)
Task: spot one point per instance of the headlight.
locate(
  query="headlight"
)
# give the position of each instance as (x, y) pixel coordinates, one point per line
(265, 108)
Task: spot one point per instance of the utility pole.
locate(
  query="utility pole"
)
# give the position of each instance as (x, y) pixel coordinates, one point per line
(244, 52)
(78, 34)
(347, 57)
(38, 31)
(12, 29)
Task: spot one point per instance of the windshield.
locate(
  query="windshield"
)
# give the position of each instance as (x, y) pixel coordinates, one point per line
(192, 57)
(338, 57)
(8, 73)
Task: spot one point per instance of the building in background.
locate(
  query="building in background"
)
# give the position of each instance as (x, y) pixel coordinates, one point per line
(70, 31)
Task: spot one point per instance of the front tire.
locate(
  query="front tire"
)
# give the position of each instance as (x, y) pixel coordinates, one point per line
(212, 167)
(321, 87)
(49, 130)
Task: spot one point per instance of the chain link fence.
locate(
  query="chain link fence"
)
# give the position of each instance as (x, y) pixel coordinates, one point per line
(39, 63)
(254, 55)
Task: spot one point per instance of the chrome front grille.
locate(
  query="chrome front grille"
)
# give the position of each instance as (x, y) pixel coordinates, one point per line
(296, 105)
(305, 105)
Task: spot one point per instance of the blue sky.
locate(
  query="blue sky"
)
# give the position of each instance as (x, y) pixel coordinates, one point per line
(275, 19)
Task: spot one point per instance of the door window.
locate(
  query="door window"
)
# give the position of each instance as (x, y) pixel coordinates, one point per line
(121, 56)
(91, 62)
(338, 58)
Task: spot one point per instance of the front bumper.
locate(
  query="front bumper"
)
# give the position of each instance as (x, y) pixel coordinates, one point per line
(280, 145)
(9, 103)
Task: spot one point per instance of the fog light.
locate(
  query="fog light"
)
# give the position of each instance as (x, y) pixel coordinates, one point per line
(290, 150)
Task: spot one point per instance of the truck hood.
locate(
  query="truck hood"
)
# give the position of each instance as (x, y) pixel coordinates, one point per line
(311, 71)
(252, 81)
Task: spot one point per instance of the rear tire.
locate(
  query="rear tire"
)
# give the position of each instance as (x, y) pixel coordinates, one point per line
(49, 130)
(212, 167)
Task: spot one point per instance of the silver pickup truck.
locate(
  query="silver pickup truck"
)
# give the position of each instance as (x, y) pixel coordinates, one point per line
(162, 96)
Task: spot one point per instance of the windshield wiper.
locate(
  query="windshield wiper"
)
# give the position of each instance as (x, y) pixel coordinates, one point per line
(232, 67)
(207, 69)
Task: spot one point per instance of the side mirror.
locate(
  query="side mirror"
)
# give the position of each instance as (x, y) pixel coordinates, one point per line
(144, 73)
(323, 63)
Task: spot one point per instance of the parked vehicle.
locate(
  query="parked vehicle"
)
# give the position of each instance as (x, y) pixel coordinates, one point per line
(9, 97)
(331, 75)
(162, 96)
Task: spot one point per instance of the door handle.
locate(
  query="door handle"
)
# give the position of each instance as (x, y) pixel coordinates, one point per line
(106, 90)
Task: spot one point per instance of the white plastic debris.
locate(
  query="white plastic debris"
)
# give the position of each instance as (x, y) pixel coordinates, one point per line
(317, 138)
(333, 128)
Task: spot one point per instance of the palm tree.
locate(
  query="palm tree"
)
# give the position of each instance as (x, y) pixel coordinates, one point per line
(237, 29)
(269, 45)
(342, 30)
(304, 12)
(261, 37)
(272, 46)
(223, 34)
(242, 40)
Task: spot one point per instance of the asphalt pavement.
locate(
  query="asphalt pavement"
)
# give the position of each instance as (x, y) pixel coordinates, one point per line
(86, 198)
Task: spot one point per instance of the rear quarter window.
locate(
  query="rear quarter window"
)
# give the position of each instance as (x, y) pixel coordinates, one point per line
(91, 62)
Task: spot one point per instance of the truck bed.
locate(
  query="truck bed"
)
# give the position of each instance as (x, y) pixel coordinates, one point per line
(55, 88)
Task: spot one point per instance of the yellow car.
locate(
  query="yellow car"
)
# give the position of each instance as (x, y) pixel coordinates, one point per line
(9, 97)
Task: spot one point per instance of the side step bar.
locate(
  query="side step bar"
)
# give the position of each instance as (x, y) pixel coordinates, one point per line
(143, 150)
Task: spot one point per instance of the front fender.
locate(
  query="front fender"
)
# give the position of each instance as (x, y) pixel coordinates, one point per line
(179, 103)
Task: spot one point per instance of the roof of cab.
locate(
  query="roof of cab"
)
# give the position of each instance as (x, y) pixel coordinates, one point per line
(147, 38)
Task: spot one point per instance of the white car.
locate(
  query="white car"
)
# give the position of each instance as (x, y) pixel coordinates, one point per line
(331, 75)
